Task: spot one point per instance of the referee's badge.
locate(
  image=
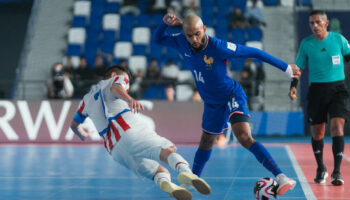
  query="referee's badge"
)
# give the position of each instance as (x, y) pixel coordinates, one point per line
(209, 61)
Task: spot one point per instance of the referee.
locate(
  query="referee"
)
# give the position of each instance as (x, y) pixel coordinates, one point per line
(324, 52)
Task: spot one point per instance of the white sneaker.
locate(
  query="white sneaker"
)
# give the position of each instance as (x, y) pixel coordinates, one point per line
(175, 191)
(192, 179)
(284, 184)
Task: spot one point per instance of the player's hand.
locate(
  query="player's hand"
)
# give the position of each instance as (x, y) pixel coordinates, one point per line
(170, 19)
(135, 106)
(293, 93)
(296, 71)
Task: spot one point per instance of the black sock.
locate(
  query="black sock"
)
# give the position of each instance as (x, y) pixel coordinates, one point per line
(317, 147)
(338, 150)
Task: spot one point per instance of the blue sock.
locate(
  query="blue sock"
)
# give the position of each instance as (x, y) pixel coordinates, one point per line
(201, 157)
(264, 157)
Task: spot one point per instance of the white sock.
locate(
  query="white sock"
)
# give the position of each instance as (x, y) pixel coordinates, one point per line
(160, 177)
(178, 163)
(280, 176)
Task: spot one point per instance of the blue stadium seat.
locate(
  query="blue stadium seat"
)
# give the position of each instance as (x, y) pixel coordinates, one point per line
(221, 33)
(139, 49)
(92, 35)
(304, 2)
(74, 50)
(95, 22)
(238, 35)
(125, 34)
(184, 65)
(223, 7)
(79, 21)
(237, 64)
(271, 2)
(112, 7)
(143, 5)
(97, 7)
(173, 30)
(155, 51)
(207, 4)
(108, 36)
(144, 20)
(254, 34)
(90, 50)
(222, 21)
(107, 47)
(154, 92)
(240, 3)
(208, 20)
(156, 19)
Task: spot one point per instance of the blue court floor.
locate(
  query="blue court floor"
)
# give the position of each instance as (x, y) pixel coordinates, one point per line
(87, 172)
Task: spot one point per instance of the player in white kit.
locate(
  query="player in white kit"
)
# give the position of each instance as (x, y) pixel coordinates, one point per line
(128, 139)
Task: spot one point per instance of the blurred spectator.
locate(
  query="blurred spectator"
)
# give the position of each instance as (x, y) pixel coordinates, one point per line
(59, 85)
(196, 97)
(124, 63)
(83, 72)
(170, 71)
(135, 88)
(191, 6)
(237, 19)
(153, 70)
(247, 83)
(159, 6)
(129, 7)
(82, 77)
(69, 68)
(99, 68)
(255, 15)
(170, 74)
(175, 8)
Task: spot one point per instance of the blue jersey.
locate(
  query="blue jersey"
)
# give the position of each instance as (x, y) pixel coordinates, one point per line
(209, 65)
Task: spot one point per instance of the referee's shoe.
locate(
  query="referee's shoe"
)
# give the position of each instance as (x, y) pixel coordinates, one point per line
(321, 175)
(337, 179)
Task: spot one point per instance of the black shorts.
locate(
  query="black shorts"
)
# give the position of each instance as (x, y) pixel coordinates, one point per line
(327, 99)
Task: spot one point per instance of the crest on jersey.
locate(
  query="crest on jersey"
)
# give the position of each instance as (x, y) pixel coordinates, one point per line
(209, 61)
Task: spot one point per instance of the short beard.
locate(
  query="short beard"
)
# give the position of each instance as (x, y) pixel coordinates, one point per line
(201, 47)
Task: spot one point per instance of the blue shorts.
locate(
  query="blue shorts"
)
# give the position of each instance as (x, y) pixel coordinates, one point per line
(216, 116)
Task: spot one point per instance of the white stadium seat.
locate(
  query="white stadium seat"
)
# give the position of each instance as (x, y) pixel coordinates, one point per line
(123, 49)
(137, 63)
(184, 92)
(210, 31)
(255, 44)
(111, 21)
(141, 35)
(82, 8)
(76, 35)
(289, 3)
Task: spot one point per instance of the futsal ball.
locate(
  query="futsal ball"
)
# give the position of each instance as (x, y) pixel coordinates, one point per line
(265, 189)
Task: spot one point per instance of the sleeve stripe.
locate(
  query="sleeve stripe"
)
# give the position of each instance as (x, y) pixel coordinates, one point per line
(81, 108)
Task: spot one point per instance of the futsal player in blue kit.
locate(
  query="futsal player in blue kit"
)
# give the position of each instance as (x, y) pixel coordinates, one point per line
(224, 98)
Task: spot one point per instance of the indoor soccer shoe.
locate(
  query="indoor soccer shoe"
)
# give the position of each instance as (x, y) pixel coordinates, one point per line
(198, 183)
(175, 191)
(321, 175)
(337, 179)
(284, 184)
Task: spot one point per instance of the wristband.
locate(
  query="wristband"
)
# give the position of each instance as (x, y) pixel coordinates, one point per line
(294, 83)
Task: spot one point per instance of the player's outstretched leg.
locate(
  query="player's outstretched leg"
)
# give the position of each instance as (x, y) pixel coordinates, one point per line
(178, 163)
(163, 180)
(243, 134)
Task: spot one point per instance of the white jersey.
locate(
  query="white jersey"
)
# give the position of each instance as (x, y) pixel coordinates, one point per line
(126, 137)
(102, 106)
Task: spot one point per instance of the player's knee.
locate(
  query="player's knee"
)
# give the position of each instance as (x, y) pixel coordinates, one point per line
(164, 153)
(245, 140)
(337, 131)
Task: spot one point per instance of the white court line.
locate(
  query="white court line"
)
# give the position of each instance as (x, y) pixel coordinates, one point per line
(346, 157)
(303, 182)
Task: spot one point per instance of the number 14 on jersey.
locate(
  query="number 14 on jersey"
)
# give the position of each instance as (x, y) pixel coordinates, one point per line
(198, 76)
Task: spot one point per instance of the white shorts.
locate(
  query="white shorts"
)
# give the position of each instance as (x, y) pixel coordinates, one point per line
(139, 148)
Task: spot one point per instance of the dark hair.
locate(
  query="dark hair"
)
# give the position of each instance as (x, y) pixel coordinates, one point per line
(317, 12)
(117, 69)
